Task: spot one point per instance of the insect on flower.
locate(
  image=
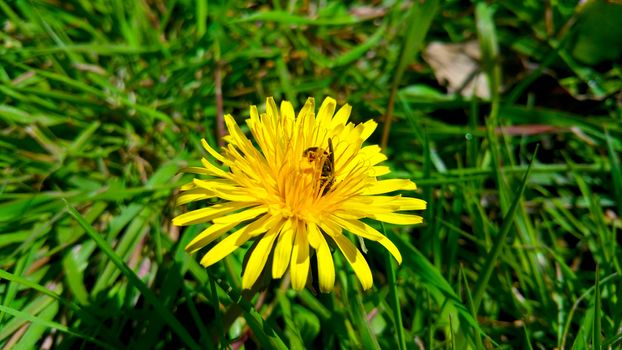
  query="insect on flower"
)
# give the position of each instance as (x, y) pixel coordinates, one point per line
(294, 186)
(324, 165)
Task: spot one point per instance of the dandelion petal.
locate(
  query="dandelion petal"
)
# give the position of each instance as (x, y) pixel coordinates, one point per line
(283, 250)
(225, 247)
(325, 267)
(399, 219)
(385, 186)
(207, 236)
(207, 214)
(294, 183)
(258, 259)
(356, 260)
(300, 260)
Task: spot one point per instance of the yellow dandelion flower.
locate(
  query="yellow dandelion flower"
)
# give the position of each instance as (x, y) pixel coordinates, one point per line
(296, 186)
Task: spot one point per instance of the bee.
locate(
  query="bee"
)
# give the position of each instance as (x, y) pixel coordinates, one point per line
(326, 161)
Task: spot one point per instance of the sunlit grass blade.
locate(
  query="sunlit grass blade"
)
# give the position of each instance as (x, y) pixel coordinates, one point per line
(358, 328)
(358, 51)
(265, 333)
(616, 172)
(288, 18)
(134, 279)
(12, 287)
(439, 288)
(394, 300)
(487, 36)
(418, 23)
(596, 327)
(71, 305)
(291, 330)
(54, 325)
(315, 305)
(467, 288)
(360, 319)
(500, 241)
(585, 332)
(267, 336)
(36, 331)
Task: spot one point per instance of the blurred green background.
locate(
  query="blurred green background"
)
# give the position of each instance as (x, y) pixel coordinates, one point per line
(102, 102)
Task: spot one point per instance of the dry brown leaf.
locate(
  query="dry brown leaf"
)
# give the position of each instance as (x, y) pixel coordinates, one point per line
(457, 67)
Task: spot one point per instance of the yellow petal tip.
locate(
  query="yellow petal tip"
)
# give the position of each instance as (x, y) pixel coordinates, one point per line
(205, 262)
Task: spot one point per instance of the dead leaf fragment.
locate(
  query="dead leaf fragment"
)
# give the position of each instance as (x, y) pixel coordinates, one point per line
(457, 67)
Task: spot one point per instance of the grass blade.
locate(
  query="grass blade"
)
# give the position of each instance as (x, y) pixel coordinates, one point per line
(54, 325)
(440, 289)
(596, 327)
(616, 172)
(394, 300)
(500, 240)
(134, 279)
(418, 24)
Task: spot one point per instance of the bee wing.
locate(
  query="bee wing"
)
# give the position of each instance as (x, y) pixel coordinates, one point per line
(331, 155)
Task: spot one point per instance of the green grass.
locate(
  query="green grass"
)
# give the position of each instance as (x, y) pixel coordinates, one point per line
(103, 102)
